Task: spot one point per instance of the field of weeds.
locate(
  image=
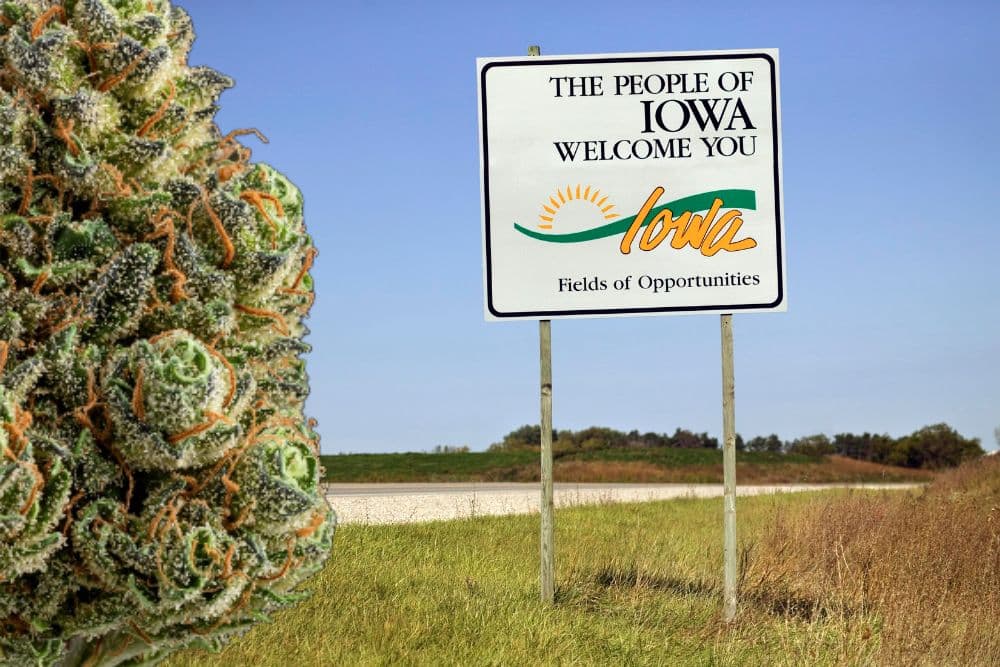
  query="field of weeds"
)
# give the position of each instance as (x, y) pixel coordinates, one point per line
(925, 566)
(665, 464)
(838, 577)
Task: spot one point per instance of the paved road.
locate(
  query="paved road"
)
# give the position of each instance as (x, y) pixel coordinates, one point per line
(413, 503)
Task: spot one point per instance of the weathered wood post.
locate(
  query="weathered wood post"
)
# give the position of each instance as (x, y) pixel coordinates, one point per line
(729, 470)
(547, 509)
(548, 565)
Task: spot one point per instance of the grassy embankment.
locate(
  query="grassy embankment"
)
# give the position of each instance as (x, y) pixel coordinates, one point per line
(831, 578)
(610, 465)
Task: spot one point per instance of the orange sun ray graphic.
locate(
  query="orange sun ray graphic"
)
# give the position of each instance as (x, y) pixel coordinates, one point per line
(581, 192)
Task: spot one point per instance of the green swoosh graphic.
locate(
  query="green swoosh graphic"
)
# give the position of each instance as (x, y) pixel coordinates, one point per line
(694, 203)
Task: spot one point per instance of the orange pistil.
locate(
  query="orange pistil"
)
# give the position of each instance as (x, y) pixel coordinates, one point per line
(39, 25)
(190, 216)
(231, 486)
(154, 524)
(213, 417)
(63, 325)
(242, 602)
(311, 253)
(257, 198)
(309, 296)
(68, 510)
(156, 117)
(163, 334)
(142, 635)
(64, 131)
(123, 190)
(317, 521)
(229, 368)
(138, 407)
(241, 132)
(242, 518)
(227, 171)
(227, 243)
(113, 81)
(216, 417)
(36, 288)
(227, 563)
(279, 321)
(89, 49)
(4, 351)
(137, 186)
(197, 487)
(284, 568)
(82, 413)
(177, 292)
(230, 149)
(96, 655)
(29, 183)
(35, 488)
(194, 430)
(163, 226)
(22, 420)
(194, 548)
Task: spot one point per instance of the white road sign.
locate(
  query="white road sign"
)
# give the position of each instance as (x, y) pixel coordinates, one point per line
(631, 184)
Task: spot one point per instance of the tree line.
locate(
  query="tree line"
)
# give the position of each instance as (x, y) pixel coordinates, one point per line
(934, 446)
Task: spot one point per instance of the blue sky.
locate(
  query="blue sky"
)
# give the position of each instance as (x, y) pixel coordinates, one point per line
(890, 148)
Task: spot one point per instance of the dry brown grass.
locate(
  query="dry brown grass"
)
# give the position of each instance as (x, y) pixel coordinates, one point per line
(834, 469)
(633, 471)
(926, 566)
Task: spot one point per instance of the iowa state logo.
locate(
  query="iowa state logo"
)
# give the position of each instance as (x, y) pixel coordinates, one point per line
(708, 222)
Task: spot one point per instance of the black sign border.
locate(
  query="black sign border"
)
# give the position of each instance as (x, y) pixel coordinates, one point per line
(546, 314)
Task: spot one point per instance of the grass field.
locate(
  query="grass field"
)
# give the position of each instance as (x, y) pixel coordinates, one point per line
(637, 584)
(830, 578)
(612, 465)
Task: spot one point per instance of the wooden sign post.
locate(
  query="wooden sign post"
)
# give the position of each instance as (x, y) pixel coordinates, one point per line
(728, 471)
(547, 508)
(547, 536)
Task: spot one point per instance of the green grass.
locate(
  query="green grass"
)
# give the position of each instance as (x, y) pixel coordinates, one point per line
(466, 466)
(608, 465)
(637, 584)
(418, 467)
(677, 456)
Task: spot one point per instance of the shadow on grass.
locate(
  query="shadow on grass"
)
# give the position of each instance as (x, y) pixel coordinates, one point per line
(776, 602)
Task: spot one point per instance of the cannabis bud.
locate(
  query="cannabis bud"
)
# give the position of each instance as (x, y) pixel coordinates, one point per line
(159, 484)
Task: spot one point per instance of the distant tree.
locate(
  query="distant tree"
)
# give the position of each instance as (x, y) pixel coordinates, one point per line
(935, 446)
(740, 445)
(759, 443)
(708, 442)
(996, 435)
(812, 445)
(528, 436)
(600, 437)
(636, 440)
(450, 449)
(656, 440)
(867, 446)
(685, 439)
